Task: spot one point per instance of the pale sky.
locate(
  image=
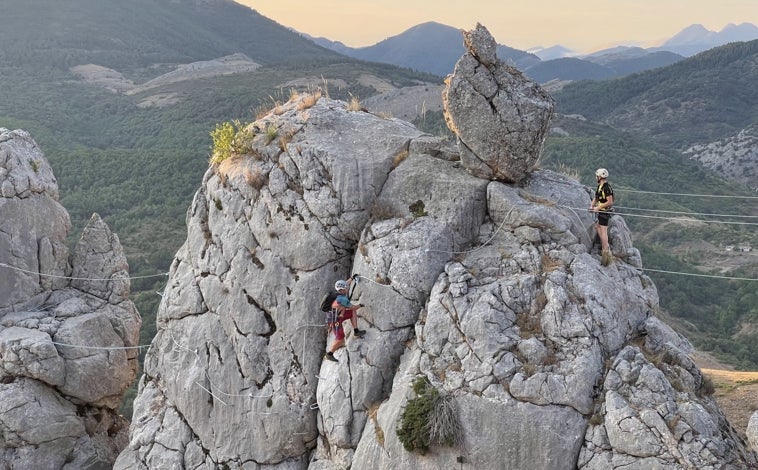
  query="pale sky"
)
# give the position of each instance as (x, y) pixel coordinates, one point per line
(582, 25)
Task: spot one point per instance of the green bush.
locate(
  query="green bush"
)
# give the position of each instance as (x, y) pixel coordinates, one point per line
(223, 139)
(429, 419)
(417, 209)
(230, 138)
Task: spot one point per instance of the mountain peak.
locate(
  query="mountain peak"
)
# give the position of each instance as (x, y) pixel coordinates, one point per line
(553, 52)
(692, 34)
(696, 38)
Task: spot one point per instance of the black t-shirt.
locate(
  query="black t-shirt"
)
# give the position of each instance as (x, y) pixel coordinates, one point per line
(601, 194)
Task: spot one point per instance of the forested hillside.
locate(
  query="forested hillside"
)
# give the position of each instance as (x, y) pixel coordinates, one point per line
(697, 100)
(143, 38)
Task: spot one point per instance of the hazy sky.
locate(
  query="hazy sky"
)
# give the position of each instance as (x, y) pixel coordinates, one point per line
(582, 25)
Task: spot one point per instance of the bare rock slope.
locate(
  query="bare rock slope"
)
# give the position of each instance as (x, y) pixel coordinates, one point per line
(735, 158)
(66, 325)
(490, 294)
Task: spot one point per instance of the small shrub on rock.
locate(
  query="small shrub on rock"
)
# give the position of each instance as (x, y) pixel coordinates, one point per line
(230, 138)
(429, 419)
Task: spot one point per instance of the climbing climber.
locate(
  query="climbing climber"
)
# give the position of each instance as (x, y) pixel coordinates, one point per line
(342, 309)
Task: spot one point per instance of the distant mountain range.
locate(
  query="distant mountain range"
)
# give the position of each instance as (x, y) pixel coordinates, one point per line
(429, 47)
(434, 48)
(696, 38)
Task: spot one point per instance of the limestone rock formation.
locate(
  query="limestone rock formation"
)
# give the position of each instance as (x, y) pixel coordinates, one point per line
(500, 116)
(752, 431)
(63, 374)
(490, 292)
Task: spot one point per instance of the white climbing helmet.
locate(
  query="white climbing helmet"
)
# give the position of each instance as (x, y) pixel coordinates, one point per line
(602, 173)
(339, 285)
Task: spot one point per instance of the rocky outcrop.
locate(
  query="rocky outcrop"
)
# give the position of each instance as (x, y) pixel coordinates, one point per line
(492, 294)
(735, 158)
(752, 431)
(500, 116)
(68, 332)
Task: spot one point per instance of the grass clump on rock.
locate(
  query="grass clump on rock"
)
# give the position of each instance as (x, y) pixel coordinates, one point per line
(230, 138)
(429, 419)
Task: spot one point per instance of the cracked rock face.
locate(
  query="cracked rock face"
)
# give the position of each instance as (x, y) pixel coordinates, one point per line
(500, 116)
(62, 384)
(491, 292)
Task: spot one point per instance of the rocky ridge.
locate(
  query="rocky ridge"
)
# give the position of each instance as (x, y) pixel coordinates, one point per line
(490, 291)
(115, 81)
(734, 158)
(66, 324)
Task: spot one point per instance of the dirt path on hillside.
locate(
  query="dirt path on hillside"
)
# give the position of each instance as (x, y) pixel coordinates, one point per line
(736, 394)
(736, 391)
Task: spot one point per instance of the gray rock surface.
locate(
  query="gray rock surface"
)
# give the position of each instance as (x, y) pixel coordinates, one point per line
(35, 240)
(735, 157)
(63, 364)
(500, 116)
(752, 431)
(489, 291)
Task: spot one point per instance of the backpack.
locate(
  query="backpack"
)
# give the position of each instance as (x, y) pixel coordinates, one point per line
(331, 316)
(327, 300)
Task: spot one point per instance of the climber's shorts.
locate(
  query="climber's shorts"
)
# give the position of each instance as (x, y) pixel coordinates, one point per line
(347, 314)
(339, 330)
(603, 218)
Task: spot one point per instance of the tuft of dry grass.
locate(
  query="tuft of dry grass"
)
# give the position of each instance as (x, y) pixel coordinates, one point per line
(443, 425)
(231, 167)
(354, 104)
(309, 100)
(673, 422)
(566, 170)
(271, 133)
(707, 388)
(236, 166)
(372, 412)
(325, 86)
(529, 369)
(528, 325)
(263, 109)
(256, 178)
(379, 211)
(548, 264)
(284, 140)
(399, 158)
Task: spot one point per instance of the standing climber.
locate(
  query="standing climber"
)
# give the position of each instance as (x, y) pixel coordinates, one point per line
(602, 205)
(343, 309)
